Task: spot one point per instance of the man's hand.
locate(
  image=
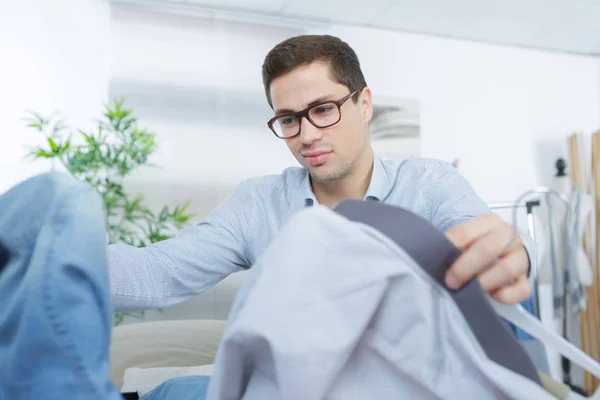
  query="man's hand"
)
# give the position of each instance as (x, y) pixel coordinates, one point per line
(484, 242)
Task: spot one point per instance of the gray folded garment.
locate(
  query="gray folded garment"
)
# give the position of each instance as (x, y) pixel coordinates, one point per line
(337, 309)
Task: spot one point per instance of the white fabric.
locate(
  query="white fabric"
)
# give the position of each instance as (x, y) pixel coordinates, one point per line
(144, 380)
(336, 310)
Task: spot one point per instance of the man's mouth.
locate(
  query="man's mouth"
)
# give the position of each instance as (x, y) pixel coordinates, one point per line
(316, 158)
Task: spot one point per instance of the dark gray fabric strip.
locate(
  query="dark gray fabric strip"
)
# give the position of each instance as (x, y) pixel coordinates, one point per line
(430, 248)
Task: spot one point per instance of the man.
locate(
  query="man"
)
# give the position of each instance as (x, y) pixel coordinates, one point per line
(322, 108)
(56, 317)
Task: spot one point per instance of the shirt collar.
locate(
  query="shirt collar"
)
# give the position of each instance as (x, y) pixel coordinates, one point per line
(377, 190)
(378, 187)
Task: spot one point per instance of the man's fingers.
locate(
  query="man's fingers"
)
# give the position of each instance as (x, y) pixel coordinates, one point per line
(506, 271)
(515, 293)
(480, 254)
(465, 234)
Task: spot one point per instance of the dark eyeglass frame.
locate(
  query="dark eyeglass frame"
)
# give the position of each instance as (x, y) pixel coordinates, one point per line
(304, 114)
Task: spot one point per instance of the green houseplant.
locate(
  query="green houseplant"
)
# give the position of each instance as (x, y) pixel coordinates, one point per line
(103, 157)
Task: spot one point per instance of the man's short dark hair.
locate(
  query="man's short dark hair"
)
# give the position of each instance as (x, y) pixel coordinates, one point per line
(303, 50)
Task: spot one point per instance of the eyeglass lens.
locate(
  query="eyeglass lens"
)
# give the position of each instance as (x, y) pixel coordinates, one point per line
(321, 116)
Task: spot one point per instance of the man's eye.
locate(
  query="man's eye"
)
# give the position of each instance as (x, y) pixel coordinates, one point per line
(324, 109)
(288, 121)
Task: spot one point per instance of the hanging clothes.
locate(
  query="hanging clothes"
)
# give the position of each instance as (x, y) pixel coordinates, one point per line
(564, 263)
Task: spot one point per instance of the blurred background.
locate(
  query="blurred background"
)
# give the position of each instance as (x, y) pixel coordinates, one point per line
(495, 86)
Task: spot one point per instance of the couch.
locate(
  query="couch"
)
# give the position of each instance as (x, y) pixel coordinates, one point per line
(163, 344)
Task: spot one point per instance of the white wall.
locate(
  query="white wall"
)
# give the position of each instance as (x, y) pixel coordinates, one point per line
(197, 83)
(54, 57)
(504, 112)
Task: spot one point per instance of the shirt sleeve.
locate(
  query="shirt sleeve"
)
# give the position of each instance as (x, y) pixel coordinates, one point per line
(176, 269)
(455, 201)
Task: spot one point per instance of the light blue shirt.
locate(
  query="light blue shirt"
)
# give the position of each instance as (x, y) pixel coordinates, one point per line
(239, 230)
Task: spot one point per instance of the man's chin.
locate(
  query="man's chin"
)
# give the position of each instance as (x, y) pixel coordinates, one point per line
(323, 176)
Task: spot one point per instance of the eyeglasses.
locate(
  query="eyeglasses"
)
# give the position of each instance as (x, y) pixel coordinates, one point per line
(322, 115)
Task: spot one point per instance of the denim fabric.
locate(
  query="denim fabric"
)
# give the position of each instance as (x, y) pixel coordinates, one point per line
(4, 256)
(187, 387)
(56, 318)
(56, 315)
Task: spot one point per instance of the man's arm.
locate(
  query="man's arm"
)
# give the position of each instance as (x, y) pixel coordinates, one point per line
(454, 204)
(174, 270)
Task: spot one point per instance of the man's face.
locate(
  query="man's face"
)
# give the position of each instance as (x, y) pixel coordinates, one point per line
(329, 154)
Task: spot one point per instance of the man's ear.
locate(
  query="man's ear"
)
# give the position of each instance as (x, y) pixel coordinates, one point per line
(366, 103)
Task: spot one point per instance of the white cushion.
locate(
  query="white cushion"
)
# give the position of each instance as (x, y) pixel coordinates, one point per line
(162, 344)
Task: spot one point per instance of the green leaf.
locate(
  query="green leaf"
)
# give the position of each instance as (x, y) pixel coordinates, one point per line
(35, 120)
(118, 318)
(43, 154)
(59, 127)
(35, 125)
(88, 138)
(53, 145)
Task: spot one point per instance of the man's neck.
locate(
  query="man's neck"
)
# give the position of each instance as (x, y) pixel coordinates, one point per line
(354, 186)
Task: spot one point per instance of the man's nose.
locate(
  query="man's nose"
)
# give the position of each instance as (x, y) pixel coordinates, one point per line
(308, 132)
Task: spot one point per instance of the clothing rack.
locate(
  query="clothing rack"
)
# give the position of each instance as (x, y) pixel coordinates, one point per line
(528, 205)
